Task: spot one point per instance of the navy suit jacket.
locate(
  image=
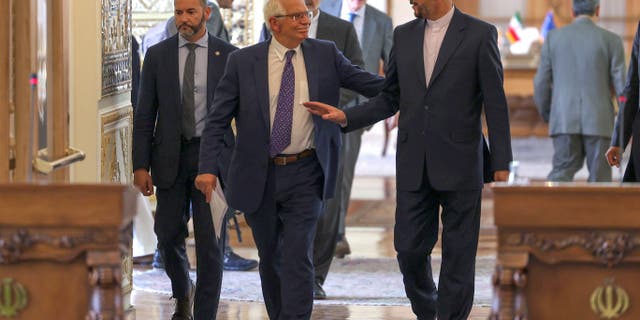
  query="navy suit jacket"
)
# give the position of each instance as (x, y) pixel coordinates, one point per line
(628, 123)
(157, 130)
(441, 124)
(243, 93)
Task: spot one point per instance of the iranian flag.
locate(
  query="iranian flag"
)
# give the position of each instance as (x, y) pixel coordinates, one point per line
(515, 28)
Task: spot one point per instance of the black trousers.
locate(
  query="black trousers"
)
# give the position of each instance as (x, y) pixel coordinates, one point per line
(284, 228)
(171, 230)
(416, 233)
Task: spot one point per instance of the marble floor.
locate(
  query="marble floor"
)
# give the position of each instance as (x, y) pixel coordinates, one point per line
(370, 234)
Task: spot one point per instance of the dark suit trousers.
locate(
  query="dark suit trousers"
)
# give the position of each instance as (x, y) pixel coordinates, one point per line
(283, 228)
(171, 229)
(416, 233)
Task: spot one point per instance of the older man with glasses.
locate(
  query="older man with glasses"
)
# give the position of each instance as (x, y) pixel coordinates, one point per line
(285, 160)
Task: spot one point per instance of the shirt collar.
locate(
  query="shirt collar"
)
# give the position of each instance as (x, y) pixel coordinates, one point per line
(281, 50)
(443, 21)
(345, 10)
(315, 17)
(202, 42)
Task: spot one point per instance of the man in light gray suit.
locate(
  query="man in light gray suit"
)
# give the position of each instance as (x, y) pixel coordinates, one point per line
(581, 64)
(375, 33)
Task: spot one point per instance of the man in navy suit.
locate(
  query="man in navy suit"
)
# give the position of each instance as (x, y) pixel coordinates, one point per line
(444, 69)
(627, 125)
(285, 160)
(177, 86)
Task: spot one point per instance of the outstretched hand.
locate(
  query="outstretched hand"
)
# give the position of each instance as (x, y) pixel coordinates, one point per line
(327, 112)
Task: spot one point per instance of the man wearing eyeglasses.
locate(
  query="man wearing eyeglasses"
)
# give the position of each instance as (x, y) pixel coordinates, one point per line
(285, 160)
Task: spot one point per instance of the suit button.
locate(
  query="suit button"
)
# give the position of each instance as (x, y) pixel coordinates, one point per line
(426, 108)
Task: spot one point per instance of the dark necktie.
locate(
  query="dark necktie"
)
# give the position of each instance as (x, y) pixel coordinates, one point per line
(281, 130)
(352, 16)
(188, 98)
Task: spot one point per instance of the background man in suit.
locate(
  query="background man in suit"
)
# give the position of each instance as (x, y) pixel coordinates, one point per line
(327, 27)
(375, 33)
(215, 26)
(580, 65)
(627, 123)
(285, 160)
(178, 81)
(440, 146)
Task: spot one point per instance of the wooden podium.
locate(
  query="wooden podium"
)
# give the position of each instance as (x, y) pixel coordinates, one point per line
(65, 251)
(567, 251)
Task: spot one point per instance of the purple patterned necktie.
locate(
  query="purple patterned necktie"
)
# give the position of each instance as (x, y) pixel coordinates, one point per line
(281, 130)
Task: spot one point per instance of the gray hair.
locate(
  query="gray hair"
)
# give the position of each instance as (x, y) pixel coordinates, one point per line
(585, 7)
(271, 8)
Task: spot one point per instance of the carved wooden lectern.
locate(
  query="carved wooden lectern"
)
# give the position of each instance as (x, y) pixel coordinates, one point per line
(65, 251)
(567, 251)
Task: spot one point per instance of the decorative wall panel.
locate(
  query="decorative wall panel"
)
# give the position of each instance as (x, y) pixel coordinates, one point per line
(116, 45)
(115, 150)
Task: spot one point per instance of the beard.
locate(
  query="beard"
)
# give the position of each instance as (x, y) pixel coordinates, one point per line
(186, 30)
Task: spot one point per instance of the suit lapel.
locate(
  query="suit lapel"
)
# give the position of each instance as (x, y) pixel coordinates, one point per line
(368, 31)
(322, 32)
(211, 67)
(452, 39)
(312, 71)
(261, 78)
(174, 72)
(418, 38)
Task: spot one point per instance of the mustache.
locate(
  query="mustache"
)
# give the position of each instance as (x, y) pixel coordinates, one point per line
(187, 25)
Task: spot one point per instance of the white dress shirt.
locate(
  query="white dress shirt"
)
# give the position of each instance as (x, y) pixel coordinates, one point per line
(433, 37)
(313, 28)
(302, 128)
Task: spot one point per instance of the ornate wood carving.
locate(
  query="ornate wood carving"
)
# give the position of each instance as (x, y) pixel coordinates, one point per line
(106, 281)
(508, 288)
(116, 128)
(14, 245)
(608, 248)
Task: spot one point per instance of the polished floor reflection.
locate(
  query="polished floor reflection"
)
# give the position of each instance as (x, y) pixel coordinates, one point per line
(370, 234)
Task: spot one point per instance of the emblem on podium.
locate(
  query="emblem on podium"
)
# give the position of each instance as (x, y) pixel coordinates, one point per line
(13, 298)
(609, 301)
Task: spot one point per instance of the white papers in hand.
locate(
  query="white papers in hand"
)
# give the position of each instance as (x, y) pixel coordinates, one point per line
(218, 205)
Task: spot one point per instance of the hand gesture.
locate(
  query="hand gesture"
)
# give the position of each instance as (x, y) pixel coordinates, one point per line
(327, 112)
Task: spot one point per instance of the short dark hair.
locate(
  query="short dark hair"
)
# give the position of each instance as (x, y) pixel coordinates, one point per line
(585, 7)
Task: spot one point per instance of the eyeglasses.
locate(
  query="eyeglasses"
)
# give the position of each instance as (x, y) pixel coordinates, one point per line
(297, 15)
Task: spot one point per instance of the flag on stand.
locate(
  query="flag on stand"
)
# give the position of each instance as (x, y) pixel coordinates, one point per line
(515, 28)
(547, 25)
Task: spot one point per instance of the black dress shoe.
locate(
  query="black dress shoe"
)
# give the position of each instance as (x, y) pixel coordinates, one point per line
(233, 262)
(318, 292)
(158, 262)
(184, 307)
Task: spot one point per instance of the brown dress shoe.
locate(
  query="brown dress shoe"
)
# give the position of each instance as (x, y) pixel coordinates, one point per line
(184, 307)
